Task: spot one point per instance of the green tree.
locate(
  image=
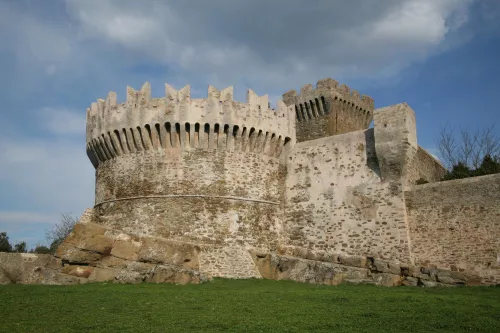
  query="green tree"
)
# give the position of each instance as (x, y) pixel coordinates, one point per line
(488, 166)
(4, 243)
(41, 249)
(20, 247)
(458, 171)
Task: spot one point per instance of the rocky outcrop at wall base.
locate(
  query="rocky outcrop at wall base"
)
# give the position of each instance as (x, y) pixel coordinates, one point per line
(27, 268)
(92, 253)
(357, 270)
(24, 268)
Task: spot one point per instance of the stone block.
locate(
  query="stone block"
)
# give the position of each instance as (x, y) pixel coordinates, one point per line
(410, 281)
(177, 275)
(384, 266)
(126, 276)
(64, 279)
(102, 274)
(354, 261)
(99, 243)
(431, 284)
(78, 271)
(83, 232)
(161, 251)
(309, 271)
(71, 254)
(422, 273)
(113, 262)
(387, 279)
(128, 250)
(263, 262)
(449, 277)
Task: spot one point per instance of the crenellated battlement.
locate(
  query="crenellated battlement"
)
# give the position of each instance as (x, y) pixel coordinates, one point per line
(177, 121)
(329, 88)
(329, 109)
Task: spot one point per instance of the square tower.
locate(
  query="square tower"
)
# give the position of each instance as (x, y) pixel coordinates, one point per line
(328, 110)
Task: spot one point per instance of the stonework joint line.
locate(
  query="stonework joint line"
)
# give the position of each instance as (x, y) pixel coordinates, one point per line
(189, 196)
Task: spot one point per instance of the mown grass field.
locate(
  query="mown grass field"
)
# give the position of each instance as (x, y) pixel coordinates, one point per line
(247, 306)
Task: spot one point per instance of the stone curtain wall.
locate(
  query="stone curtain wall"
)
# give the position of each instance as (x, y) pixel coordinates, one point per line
(336, 201)
(425, 166)
(456, 225)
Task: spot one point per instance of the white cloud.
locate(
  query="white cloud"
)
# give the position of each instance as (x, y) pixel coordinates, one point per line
(27, 217)
(40, 178)
(62, 121)
(47, 175)
(276, 47)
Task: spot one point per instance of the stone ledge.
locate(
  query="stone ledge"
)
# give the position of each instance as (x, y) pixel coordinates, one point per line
(375, 271)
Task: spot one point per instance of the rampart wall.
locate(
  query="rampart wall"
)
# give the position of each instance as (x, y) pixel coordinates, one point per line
(455, 225)
(329, 109)
(344, 193)
(336, 201)
(425, 166)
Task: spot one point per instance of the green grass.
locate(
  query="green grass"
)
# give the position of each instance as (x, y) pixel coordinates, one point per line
(247, 306)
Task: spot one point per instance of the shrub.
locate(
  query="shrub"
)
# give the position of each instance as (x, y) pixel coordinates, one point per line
(4, 243)
(488, 166)
(41, 249)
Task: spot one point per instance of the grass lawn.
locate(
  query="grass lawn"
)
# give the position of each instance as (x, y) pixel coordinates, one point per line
(247, 306)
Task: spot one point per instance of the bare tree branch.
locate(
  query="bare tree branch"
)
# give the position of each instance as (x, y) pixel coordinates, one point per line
(62, 229)
(468, 148)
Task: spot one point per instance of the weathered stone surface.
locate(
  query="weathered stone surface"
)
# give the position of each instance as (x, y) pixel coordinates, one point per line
(103, 274)
(278, 267)
(111, 261)
(126, 249)
(71, 254)
(410, 281)
(423, 273)
(386, 279)
(78, 271)
(161, 251)
(4, 278)
(27, 268)
(455, 225)
(126, 276)
(355, 261)
(90, 236)
(343, 112)
(431, 284)
(449, 277)
(173, 274)
(384, 266)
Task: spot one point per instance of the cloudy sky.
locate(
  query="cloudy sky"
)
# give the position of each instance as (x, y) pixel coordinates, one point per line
(57, 56)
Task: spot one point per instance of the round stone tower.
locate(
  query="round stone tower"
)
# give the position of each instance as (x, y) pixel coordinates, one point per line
(205, 171)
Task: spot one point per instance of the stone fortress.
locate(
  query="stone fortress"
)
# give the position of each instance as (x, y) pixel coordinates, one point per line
(189, 189)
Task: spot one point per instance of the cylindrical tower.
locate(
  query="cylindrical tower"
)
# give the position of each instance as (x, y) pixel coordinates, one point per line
(204, 171)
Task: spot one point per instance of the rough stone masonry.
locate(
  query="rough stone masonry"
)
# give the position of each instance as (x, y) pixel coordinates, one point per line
(189, 189)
